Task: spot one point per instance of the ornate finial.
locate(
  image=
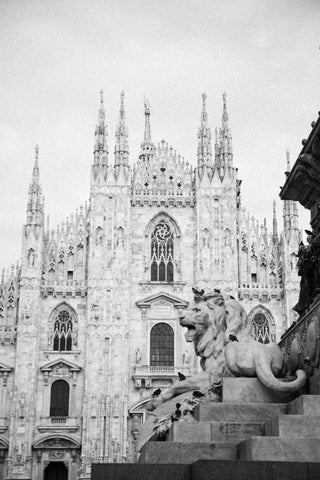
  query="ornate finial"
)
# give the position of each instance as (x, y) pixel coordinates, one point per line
(122, 114)
(101, 96)
(224, 112)
(204, 97)
(275, 224)
(224, 97)
(146, 106)
(35, 173)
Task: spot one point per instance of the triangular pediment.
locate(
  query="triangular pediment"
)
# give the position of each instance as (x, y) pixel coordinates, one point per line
(162, 296)
(47, 367)
(5, 368)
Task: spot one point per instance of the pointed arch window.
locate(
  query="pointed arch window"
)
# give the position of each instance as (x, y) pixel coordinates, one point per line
(162, 253)
(59, 401)
(62, 336)
(161, 345)
(261, 328)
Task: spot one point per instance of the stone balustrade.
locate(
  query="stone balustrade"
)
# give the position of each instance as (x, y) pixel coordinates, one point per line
(147, 376)
(47, 424)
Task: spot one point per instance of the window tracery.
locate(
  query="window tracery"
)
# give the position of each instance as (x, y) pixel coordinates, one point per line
(261, 328)
(62, 336)
(162, 253)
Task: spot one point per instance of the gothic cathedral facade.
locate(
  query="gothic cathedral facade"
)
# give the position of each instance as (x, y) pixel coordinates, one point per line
(89, 321)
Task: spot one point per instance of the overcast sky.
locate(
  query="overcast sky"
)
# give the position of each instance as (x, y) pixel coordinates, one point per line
(56, 55)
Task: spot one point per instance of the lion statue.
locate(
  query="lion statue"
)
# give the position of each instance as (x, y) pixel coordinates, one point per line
(212, 319)
(223, 339)
(253, 359)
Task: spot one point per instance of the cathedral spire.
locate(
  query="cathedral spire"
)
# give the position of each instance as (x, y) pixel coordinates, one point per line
(35, 173)
(225, 117)
(290, 209)
(101, 134)
(275, 223)
(204, 115)
(288, 161)
(225, 132)
(121, 150)
(224, 156)
(35, 198)
(147, 147)
(204, 153)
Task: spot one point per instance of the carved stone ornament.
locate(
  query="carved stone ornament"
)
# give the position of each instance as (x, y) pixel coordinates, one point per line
(56, 443)
(57, 454)
(60, 368)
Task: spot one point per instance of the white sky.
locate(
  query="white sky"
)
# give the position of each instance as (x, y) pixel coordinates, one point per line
(56, 55)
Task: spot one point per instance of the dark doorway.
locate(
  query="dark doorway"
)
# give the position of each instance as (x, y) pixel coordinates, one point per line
(56, 471)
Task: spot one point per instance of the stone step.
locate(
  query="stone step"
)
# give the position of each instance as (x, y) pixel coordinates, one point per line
(207, 470)
(215, 431)
(251, 390)
(275, 449)
(305, 405)
(181, 452)
(236, 412)
(307, 426)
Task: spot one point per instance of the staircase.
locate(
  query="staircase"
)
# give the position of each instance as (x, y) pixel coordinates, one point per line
(287, 430)
(253, 434)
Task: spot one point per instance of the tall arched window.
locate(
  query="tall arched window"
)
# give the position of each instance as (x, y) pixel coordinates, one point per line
(261, 328)
(161, 345)
(59, 402)
(162, 254)
(62, 336)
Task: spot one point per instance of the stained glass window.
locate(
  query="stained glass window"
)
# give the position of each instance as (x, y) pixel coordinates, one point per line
(162, 254)
(162, 345)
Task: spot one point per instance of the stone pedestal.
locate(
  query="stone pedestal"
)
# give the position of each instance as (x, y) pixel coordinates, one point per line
(251, 390)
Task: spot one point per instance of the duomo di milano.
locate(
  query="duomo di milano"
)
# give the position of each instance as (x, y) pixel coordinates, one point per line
(89, 321)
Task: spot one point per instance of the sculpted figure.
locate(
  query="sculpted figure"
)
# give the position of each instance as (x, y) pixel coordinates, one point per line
(309, 270)
(253, 359)
(209, 322)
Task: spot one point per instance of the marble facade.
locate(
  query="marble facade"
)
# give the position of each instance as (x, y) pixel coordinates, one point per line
(82, 306)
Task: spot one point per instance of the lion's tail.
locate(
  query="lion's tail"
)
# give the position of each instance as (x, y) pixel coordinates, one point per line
(265, 375)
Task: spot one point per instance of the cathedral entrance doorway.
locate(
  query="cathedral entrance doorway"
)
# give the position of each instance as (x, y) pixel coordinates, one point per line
(56, 471)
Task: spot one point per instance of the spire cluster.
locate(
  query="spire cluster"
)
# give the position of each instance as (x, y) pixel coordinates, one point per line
(223, 158)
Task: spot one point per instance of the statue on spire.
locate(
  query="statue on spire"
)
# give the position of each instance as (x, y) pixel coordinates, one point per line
(146, 106)
(147, 147)
(204, 141)
(288, 160)
(121, 149)
(100, 146)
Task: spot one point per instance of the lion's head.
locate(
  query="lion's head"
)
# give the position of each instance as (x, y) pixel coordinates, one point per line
(210, 321)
